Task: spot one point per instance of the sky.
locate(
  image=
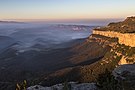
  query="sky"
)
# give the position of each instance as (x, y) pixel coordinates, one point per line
(65, 9)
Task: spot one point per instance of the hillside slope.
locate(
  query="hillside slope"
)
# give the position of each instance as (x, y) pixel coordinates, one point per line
(93, 57)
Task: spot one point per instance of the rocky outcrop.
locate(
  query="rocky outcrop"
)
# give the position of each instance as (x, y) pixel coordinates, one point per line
(123, 38)
(126, 53)
(123, 61)
(127, 60)
(126, 39)
(70, 86)
(126, 75)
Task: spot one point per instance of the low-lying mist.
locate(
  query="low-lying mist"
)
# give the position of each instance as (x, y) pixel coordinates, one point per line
(27, 35)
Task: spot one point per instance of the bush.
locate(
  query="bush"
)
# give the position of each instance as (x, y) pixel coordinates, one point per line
(66, 86)
(106, 81)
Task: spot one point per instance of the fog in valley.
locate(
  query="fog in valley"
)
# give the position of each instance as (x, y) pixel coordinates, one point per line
(34, 47)
(27, 35)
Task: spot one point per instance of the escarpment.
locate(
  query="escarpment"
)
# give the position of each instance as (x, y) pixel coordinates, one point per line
(123, 38)
(126, 39)
(105, 49)
(124, 31)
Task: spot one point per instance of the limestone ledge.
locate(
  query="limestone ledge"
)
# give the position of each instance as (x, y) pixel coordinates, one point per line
(124, 38)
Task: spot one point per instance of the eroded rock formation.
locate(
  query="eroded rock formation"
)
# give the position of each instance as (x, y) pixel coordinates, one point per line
(123, 38)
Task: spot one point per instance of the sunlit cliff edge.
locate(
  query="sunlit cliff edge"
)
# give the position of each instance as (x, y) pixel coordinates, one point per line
(124, 32)
(123, 38)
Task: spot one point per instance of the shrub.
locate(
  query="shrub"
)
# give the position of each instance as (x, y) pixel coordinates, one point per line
(106, 81)
(66, 86)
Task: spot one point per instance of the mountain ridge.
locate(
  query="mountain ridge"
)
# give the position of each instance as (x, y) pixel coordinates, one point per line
(1, 21)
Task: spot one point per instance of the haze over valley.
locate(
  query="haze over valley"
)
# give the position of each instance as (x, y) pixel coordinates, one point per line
(31, 50)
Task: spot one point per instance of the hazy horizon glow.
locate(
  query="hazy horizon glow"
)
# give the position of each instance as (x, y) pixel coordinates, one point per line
(65, 9)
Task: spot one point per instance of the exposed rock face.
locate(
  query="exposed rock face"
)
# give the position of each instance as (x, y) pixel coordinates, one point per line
(127, 60)
(126, 75)
(124, 38)
(123, 61)
(71, 86)
(120, 69)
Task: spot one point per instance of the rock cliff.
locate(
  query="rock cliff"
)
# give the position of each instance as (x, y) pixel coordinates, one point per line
(124, 31)
(126, 39)
(123, 38)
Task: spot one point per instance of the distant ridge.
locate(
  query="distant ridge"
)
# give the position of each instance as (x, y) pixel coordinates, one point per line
(1, 21)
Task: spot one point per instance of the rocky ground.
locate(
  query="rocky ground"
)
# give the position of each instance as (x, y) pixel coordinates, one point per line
(70, 86)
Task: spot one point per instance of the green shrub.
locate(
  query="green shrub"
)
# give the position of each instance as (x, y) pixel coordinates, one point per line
(66, 85)
(106, 81)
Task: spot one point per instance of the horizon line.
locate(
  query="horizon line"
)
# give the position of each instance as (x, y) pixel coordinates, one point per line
(86, 19)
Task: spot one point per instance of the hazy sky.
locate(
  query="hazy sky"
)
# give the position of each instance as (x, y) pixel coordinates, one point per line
(66, 9)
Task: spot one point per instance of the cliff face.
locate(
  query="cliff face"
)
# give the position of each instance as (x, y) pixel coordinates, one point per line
(123, 38)
(126, 75)
(126, 40)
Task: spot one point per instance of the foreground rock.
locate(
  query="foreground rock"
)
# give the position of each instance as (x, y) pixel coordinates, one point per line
(126, 75)
(70, 86)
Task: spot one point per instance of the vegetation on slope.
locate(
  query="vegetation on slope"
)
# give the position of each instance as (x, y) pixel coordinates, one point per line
(88, 72)
(93, 72)
(126, 26)
(106, 81)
